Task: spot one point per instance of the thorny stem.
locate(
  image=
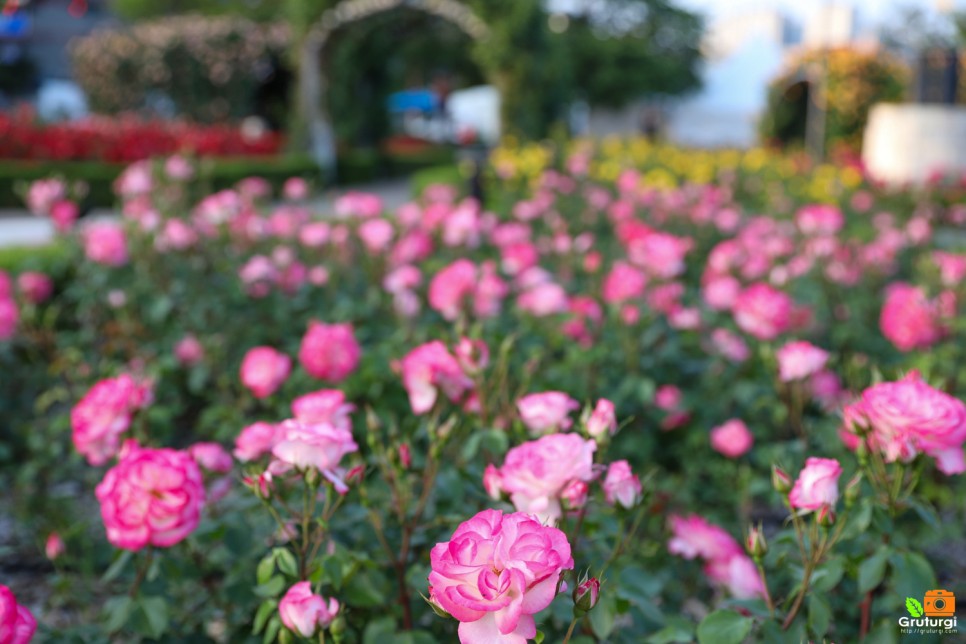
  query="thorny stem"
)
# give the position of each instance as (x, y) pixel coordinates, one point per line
(570, 631)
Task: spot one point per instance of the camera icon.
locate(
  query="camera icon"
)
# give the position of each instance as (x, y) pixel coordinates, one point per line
(939, 603)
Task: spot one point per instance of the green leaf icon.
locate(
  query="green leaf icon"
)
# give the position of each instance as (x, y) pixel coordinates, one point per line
(914, 607)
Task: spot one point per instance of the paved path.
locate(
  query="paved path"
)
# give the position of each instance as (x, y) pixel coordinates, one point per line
(19, 228)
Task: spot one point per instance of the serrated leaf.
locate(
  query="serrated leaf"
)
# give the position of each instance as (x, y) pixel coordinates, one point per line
(156, 611)
(914, 607)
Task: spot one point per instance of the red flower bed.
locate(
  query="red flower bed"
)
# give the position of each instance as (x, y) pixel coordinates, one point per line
(125, 139)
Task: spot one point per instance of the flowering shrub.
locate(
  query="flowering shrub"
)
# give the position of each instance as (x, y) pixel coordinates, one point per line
(122, 139)
(616, 404)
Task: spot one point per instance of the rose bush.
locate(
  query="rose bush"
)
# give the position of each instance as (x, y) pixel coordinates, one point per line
(614, 403)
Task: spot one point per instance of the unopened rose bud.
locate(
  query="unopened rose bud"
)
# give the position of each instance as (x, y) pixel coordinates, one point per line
(825, 516)
(852, 490)
(260, 485)
(574, 495)
(405, 457)
(55, 546)
(355, 474)
(586, 595)
(755, 542)
(780, 480)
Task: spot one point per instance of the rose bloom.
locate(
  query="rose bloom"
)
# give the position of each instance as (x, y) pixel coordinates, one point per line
(255, 440)
(696, 537)
(17, 624)
(602, 420)
(732, 438)
(451, 287)
(720, 293)
(376, 235)
(730, 345)
(263, 370)
(623, 283)
(35, 287)
(908, 416)
(104, 243)
(668, 397)
(103, 414)
(358, 204)
(325, 406)
(319, 445)
(738, 574)
(303, 612)
(544, 299)
(546, 412)
(536, 473)
(621, 485)
(817, 484)
(799, 359)
(329, 351)
(9, 317)
(189, 350)
(952, 268)
(175, 235)
(295, 189)
(211, 456)
(495, 573)
(909, 320)
(429, 369)
(763, 312)
(151, 497)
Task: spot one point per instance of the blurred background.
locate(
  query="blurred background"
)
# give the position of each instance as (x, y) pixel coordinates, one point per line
(350, 91)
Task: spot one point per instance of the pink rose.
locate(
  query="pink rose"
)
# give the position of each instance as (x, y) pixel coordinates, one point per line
(763, 312)
(43, 193)
(535, 474)
(905, 417)
(329, 351)
(304, 613)
(668, 398)
(738, 574)
(151, 497)
(104, 243)
(376, 235)
(731, 438)
(64, 213)
(602, 420)
(189, 350)
(428, 369)
(546, 412)
(621, 485)
(799, 359)
(263, 370)
(623, 283)
(730, 345)
(817, 484)
(211, 456)
(17, 624)
(103, 414)
(9, 317)
(295, 189)
(909, 320)
(695, 537)
(324, 406)
(255, 440)
(176, 234)
(358, 204)
(35, 287)
(495, 573)
(451, 288)
(492, 482)
(54, 546)
(320, 446)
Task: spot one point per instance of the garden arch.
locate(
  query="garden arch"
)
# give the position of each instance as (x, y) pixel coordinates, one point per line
(312, 81)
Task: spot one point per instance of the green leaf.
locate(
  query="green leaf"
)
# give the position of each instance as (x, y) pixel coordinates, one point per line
(265, 569)
(603, 616)
(539, 638)
(379, 631)
(271, 588)
(819, 615)
(271, 632)
(872, 570)
(724, 627)
(286, 562)
(118, 610)
(828, 575)
(914, 607)
(911, 574)
(156, 611)
(118, 566)
(672, 634)
(266, 610)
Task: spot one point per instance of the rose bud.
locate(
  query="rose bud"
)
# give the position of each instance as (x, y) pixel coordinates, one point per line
(755, 542)
(825, 516)
(405, 457)
(55, 546)
(586, 595)
(780, 480)
(439, 610)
